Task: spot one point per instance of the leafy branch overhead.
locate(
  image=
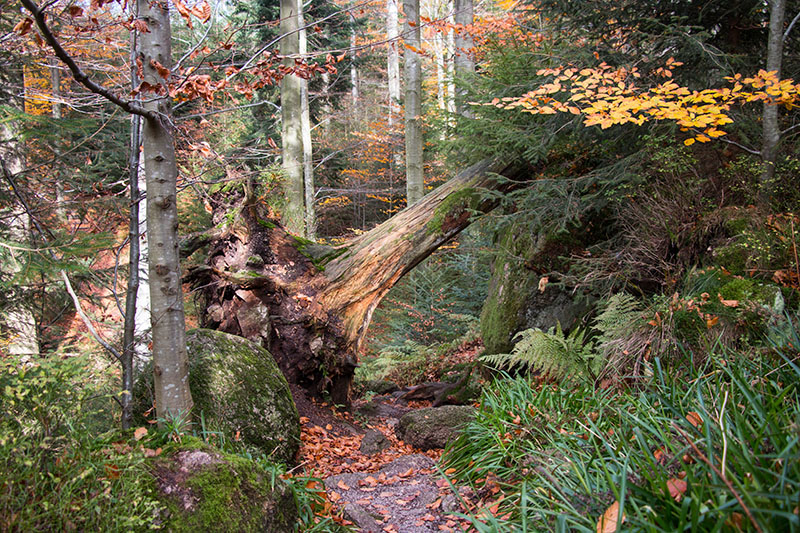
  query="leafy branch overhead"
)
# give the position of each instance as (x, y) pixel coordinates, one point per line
(606, 96)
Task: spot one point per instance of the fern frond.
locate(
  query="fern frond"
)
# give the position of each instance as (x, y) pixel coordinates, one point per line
(549, 352)
(621, 316)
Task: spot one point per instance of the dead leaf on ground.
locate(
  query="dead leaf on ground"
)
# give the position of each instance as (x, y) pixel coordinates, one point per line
(608, 522)
(676, 487)
(140, 433)
(694, 419)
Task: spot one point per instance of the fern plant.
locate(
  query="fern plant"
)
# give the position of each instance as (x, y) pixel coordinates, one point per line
(551, 353)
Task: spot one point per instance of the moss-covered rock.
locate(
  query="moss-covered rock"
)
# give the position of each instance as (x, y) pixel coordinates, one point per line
(515, 301)
(237, 389)
(203, 489)
(434, 427)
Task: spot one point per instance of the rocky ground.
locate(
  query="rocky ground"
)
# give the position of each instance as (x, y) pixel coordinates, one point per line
(375, 481)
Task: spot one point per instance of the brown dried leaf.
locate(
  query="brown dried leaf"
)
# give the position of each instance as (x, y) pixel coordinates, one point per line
(676, 487)
(694, 419)
(23, 26)
(608, 522)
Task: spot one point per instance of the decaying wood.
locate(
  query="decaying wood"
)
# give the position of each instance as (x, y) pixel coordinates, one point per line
(311, 305)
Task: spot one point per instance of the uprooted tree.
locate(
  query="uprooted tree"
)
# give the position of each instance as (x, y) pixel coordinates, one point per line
(311, 305)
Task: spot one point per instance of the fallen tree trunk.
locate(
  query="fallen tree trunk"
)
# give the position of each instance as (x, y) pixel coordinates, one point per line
(311, 305)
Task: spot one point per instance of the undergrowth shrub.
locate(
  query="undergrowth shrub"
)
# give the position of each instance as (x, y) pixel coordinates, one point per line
(715, 448)
(60, 471)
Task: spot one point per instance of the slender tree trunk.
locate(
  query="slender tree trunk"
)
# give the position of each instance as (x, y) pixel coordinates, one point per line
(439, 47)
(131, 296)
(353, 68)
(291, 128)
(170, 361)
(451, 70)
(142, 318)
(305, 129)
(55, 84)
(129, 331)
(415, 187)
(464, 64)
(771, 129)
(18, 319)
(311, 305)
(392, 60)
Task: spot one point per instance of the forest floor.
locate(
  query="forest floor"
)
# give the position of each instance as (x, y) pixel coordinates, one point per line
(397, 490)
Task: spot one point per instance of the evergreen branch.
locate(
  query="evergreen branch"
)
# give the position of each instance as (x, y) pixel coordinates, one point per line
(75, 300)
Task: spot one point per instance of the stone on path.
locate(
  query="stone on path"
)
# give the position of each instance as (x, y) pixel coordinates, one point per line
(403, 494)
(434, 427)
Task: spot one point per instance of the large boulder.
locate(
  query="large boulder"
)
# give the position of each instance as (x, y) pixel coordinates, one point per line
(434, 427)
(519, 297)
(237, 389)
(202, 489)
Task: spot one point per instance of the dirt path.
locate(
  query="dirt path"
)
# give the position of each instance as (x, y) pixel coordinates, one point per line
(395, 490)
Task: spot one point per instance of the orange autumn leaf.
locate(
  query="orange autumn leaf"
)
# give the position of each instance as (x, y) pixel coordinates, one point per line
(139, 433)
(694, 419)
(677, 487)
(610, 519)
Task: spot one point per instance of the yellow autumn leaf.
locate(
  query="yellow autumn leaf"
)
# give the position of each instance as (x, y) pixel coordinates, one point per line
(688, 142)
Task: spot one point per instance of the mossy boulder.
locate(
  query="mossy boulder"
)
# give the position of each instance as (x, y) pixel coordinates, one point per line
(434, 427)
(237, 389)
(203, 489)
(518, 298)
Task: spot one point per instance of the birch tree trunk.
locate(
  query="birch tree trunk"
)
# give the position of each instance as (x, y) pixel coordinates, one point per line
(170, 362)
(771, 135)
(18, 319)
(291, 112)
(415, 187)
(353, 68)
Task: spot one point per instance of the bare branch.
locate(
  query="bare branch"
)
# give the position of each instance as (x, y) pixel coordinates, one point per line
(80, 76)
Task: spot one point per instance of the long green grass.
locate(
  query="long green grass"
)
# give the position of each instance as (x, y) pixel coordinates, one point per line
(729, 430)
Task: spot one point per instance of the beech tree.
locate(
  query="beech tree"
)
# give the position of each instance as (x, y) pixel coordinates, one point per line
(170, 363)
(291, 117)
(464, 64)
(415, 186)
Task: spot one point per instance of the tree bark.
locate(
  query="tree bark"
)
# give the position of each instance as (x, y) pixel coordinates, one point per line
(392, 60)
(353, 67)
(464, 64)
(17, 317)
(771, 129)
(291, 130)
(170, 362)
(311, 305)
(415, 187)
(305, 134)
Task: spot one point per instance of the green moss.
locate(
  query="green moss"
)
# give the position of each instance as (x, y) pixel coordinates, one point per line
(266, 223)
(238, 388)
(731, 257)
(222, 492)
(508, 291)
(688, 326)
(255, 261)
(465, 198)
(319, 254)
